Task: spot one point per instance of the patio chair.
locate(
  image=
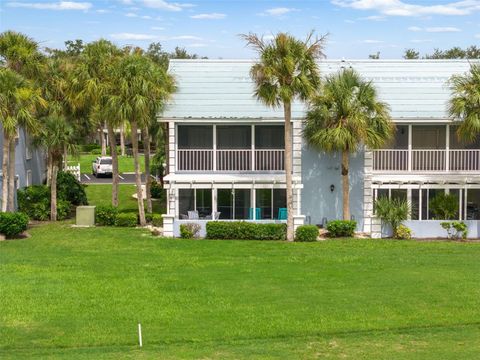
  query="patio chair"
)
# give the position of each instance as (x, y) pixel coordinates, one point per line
(282, 214)
(257, 214)
(193, 215)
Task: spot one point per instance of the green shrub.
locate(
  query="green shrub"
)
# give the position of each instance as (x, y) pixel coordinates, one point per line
(63, 209)
(242, 230)
(13, 223)
(341, 228)
(70, 189)
(444, 206)
(189, 231)
(126, 220)
(455, 229)
(106, 215)
(156, 190)
(96, 151)
(35, 202)
(403, 232)
(89, 147)
(157, 220)
(306, 233)
(392, 212)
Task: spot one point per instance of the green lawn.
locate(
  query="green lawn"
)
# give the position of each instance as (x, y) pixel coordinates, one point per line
(125, 164)
(101, 194)
(79, 293)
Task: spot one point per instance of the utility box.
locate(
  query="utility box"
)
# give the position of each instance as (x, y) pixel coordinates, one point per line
(85, 216)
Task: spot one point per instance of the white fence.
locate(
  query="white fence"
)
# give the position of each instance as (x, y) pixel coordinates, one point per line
(74, 170)
(400, 160)
(230, 160)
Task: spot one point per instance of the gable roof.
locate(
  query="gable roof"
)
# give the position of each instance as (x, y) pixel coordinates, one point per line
(223, 89)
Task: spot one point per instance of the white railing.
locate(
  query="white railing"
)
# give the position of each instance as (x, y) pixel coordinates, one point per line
(74, 170)
(230, 160)
(426, 160)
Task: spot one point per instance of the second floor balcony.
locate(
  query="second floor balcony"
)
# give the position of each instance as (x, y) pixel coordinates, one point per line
(230, 148)
(427, 149)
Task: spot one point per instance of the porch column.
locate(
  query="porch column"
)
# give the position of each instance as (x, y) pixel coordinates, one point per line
(214, 147)
(172, 148)
(254, 202)
(447, 148)
(368, 217)
(409, 147)
(253, 149)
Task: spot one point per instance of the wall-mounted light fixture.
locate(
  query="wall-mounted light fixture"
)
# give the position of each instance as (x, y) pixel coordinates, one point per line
(332, 188)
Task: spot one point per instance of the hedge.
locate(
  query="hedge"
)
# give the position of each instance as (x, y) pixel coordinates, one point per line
(341, 228)
(306, 233)
(13, 223)
(126, 220)
(242, 230)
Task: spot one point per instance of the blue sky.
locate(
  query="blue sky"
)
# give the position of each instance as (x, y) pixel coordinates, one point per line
(210, 28)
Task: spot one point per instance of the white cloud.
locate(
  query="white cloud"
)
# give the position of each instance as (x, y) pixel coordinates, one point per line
(211, 16)
(269, 37)
(185, 37)
(164, 5)
(103, 11)
(414, 28)
(401, 8)
(349, 21)
(60, 5)
(279, 11)
(131, 14)
(373, 17)
(196, 45)
(132, 36)
(477, 36)
(419, 41)
(157, 28)
(370, 41)
(442, 29)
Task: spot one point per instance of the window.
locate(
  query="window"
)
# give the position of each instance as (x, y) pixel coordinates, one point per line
(473, 204)
(106, 161)
(428, 137)
(233, 203)
(199, 200)
(28, 148)
(29, 178)
(234, 137)
(195, 137)
(270, 201)
(269, 137)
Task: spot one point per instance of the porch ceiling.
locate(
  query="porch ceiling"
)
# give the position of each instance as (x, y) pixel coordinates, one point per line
(228, 178)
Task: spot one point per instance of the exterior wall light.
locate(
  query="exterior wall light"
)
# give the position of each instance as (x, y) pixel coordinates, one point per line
(332, 188)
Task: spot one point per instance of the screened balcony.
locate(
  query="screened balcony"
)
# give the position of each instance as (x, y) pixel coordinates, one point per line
(427, 149)
(226, 148)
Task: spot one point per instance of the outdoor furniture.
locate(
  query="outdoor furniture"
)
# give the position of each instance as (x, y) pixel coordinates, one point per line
(216, 216)
(193, 215)
(282, 214)
(257, 214)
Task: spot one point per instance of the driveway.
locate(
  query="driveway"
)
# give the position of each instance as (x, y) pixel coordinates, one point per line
(125, 178)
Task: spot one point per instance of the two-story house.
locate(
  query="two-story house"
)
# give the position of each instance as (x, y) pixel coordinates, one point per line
(226, 150)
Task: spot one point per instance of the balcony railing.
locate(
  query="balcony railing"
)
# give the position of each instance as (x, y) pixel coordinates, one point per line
(230, 160)
(400, 160)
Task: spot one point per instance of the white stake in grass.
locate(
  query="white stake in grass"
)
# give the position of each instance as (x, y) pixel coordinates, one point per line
(140, 334)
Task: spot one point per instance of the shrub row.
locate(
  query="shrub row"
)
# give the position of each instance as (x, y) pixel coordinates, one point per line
(242, 230)
(341, 228)
(13, 223)
(189, 231)
(107, 215)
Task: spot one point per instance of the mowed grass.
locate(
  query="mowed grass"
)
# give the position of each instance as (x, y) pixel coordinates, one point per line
(101, 194)
(125, 163)
(79, 293)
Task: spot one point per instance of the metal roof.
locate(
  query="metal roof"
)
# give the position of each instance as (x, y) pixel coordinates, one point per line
(223, 89)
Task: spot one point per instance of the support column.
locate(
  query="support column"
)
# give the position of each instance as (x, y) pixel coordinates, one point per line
(368, 218)
(410, 147)
(214, 157)
(172, 148)
(447, 149)
(168, 221)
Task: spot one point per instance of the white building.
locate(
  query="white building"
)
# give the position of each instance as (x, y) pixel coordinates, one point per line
(227, 150)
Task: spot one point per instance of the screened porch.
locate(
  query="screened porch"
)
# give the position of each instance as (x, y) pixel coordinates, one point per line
(226, 148)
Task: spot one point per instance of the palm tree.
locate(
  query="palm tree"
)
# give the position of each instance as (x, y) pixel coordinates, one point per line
(92, 88)
(345, 115)
(18, 105)
(465, 103)
(20, 54)
(141, 89)
(287, 69)
(56, 137)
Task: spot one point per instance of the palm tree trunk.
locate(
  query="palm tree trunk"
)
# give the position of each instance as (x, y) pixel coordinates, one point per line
(5, 155)
(53, 190)
(345, 185)
(49, 170)
(11, 176)
(65, 158)
(138, 178)
(102, 141)
(288, 168)
(113, 154)
(122, 139)
(148, 181)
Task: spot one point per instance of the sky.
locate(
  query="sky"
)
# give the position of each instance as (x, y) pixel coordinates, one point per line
(356, 28)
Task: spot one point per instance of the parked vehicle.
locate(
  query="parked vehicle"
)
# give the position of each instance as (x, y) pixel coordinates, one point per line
(102, 166)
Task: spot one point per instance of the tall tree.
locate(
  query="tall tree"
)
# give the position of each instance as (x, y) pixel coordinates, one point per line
(464, 104)
(411, 54)
(56, 136)
(19, 53)
(18, 104)
(286, 70)
(141, 87)
(344, 115)
(93, 85)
